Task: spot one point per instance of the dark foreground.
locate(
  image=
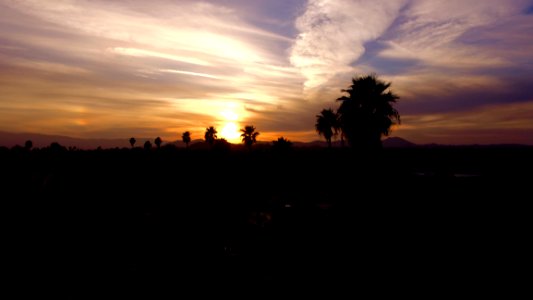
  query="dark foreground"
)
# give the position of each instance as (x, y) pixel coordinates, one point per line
(404, 222)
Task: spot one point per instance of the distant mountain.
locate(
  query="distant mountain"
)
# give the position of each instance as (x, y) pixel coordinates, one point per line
(397, 142)
(8, 139)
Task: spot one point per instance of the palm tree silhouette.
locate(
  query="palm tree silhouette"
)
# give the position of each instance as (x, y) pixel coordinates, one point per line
(210, 135)
(186, 137)
(327, 124)
(366, 113)
(132, 142)
(158, 142)
(249, 136)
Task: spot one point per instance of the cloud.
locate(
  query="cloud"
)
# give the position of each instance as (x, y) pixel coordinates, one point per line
(122, 58)
(333, 34)
(444, 58)
(146, 53)
(432, 32)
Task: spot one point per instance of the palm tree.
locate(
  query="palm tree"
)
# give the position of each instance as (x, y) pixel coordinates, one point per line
(210, 135)
(327, 124)
(366, 113)
(186, 137)
(132, 142)
(249, 136)
(158, 142)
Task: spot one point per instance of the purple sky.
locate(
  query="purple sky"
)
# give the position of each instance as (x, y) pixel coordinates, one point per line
(115, 69)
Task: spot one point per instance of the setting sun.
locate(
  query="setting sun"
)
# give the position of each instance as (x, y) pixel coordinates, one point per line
(230, 132)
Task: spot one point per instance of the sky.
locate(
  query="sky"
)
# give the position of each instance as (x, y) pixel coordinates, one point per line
(463, 69)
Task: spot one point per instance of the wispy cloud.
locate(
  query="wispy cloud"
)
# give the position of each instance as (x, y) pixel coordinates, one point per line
(333, 35)
(125, 52)
(433, 32)
(148, 53)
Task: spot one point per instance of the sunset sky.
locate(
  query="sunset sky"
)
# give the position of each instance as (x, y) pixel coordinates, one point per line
(114, 69)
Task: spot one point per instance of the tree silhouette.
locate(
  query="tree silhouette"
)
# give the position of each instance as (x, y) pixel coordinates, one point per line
(327, 124)
(221, 146)
(147, 145)
(249, 136)
(186, 137)
(282, 144)
(366, 113)
(28, 145)
(55, 147)
(132, 142)
(210, 135)
(158, 142)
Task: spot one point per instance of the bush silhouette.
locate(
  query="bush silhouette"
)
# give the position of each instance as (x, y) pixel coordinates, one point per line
(147, 145)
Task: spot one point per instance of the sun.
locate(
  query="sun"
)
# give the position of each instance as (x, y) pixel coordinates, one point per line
(230, 127)
(230, 132)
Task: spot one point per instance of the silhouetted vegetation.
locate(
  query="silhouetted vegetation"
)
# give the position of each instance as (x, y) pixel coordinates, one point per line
(147, 145)
(327, 124)
(210, 135)
(249, 136)
(221, 146)
(186, 138)
(158, 142)
(364, 115)
(28, 145)
(367, 114)
(282, 145)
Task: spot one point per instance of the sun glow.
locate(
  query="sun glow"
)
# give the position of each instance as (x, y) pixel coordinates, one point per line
(230, 132)
(229, 115)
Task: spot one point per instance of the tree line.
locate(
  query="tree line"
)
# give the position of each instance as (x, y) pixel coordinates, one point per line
(249, 136)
